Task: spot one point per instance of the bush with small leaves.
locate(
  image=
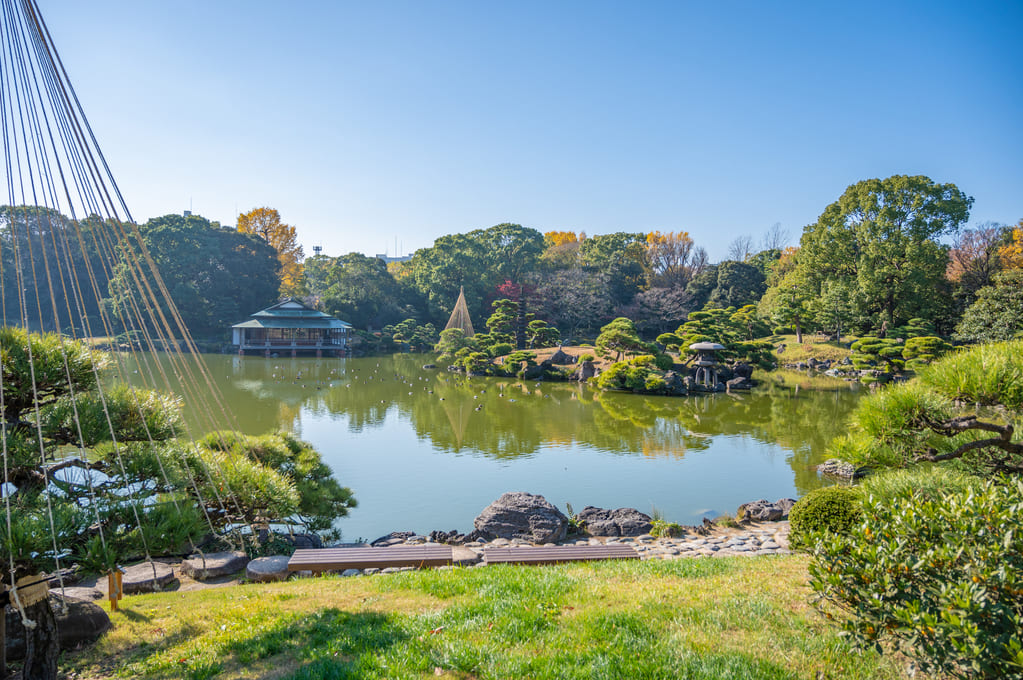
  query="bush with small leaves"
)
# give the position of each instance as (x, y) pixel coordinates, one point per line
(501, 349)
(922, 350)
(831, 510)
(941, 578)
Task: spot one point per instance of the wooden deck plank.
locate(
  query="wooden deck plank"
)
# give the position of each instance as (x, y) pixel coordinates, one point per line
(559, 554)
(329, 559)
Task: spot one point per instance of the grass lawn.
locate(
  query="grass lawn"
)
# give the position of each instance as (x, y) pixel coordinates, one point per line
(703, 618)
(821, 351)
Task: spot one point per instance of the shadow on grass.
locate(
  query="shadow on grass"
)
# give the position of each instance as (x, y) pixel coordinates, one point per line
(326, 644)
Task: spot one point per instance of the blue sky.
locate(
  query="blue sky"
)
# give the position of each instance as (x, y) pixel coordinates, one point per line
(366, 123)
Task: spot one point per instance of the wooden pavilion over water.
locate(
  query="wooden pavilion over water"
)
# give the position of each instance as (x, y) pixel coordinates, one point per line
(291, 326)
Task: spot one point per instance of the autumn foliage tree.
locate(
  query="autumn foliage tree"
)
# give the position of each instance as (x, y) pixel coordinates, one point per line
(266, 223)
(674, 258)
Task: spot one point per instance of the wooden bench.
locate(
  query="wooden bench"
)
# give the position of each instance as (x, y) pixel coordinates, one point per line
(559, 553)
(338, 559)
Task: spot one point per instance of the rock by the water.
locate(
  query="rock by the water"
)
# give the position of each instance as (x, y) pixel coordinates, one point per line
(427, 367)
(739, 383)
(837, 468)
(620, 522)
(535, 372)
(674, 384)
(586, 370)
(562, 358)
(765, 511)
(453, 537)
(81, 623)
(393, 538)
(265, 569)
(522, 515)
(742, 370)
(214, 565)
(145, 577)
(786, 505)
(759, 511)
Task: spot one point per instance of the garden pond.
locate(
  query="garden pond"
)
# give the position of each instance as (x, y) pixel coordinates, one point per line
(425, 449)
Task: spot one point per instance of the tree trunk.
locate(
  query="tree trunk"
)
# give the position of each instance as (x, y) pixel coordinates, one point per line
(41, 643)
(799, 332)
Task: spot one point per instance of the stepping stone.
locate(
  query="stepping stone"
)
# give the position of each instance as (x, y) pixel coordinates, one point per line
(464, 557)
(214, 565)
(78, 593)
(266, 569)
(145, 577)
(347, 572)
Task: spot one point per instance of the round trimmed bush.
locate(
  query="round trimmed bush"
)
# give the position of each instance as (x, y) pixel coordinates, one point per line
(833, 509)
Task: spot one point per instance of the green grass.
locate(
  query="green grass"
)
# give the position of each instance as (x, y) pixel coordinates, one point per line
(710, 618)
(809, 349)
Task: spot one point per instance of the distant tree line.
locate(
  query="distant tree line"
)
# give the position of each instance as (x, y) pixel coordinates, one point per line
(886, 253)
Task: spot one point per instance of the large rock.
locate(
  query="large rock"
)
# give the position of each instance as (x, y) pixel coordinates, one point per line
(393, 538)
(837, 468)
(739, 383)
(620, 522)
(266, 569)
(214, 565)
(765, 511)
(522, 515)
(742, 370)
(80, 593)
(674, 385)
(562, 358)
(586, 370)
(82, 623)
(145, 577)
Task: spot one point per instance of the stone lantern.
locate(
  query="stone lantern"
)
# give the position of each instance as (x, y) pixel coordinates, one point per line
(706, 363)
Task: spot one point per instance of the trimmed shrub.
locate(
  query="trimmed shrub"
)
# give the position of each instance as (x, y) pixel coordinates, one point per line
(922, 350)
(501, 349)
(831, 510)
(663, 362)
(941, 578)
(586, 356)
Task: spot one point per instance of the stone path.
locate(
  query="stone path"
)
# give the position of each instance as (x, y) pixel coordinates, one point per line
(765, 538)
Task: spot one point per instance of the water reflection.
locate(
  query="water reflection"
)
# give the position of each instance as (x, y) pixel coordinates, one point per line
(391, 407)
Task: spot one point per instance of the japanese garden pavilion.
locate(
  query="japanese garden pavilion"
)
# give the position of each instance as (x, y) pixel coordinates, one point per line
(290, 326)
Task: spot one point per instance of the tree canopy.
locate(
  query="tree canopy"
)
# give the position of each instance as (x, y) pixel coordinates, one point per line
(215, 276)
(283, 238)
(881, 236)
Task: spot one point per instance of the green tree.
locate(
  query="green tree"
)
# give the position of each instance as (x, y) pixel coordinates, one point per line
(363, 292)
(881, 237)
(622, 258)
(215, 276)
(477, 261)
(998, 312)
(738, 284)
(621, 337)
(540, 334)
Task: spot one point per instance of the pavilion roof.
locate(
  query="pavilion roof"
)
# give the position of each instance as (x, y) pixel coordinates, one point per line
(291, 313)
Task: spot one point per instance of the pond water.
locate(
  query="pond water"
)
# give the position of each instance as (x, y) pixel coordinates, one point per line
(424, 449)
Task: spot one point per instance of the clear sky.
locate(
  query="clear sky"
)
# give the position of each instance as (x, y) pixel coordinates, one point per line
(368, 122)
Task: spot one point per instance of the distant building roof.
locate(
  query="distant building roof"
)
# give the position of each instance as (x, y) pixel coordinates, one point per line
(291, 313)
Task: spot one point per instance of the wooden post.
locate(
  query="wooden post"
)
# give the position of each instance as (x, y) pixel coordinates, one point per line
(114, 588)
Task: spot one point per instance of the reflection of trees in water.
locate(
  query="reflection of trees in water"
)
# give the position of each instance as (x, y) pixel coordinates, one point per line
(507, 418)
